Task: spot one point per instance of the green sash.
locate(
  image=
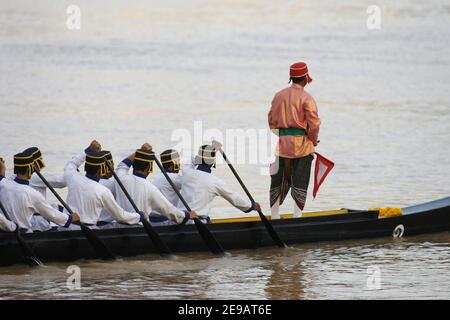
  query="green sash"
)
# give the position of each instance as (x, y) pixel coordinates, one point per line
(292, 132)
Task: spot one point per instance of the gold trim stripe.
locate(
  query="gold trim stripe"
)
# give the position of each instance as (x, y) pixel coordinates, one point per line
(146, 153)
(168, 154)
(208, 150)
(143, 160)
(95, 164)
(95, 157)
(36, 151)
(23, 165)
(283, 216)
(23, 158)
(171, 160)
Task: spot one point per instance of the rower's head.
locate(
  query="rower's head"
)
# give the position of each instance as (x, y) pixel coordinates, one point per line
(143, 162)
(23, 165)
(37, 157)
(206, 156)
(170, 160)
(298, 74)
(95, 164)
(109, 160)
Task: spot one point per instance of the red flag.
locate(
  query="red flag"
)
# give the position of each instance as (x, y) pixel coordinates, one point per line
(322, 169)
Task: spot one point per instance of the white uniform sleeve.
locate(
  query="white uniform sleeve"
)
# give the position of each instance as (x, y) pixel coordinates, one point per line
(41, 206)
(110, 204)
(220, 188)
(72, 166)
(123, 167)
(54, 180)
(187, 163)
(159, 203)
(6, 225)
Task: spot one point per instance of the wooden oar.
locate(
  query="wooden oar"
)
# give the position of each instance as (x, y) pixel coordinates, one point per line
(207, 236)
(162, 248)
(276, 238)
(101, 249)
(28, 253)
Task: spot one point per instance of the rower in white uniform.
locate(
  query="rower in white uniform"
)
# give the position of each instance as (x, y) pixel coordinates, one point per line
(199, 186)
(146, 196)
(38, 222)
(170, 160)
(56, 181)
(86, 195)
(21, 201)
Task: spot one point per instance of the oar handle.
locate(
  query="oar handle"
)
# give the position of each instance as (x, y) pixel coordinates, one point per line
(64, 204)
(122, 187)
(164, 172)
(237, 176)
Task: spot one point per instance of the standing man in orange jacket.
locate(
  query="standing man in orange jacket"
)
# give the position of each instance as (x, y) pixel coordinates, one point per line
(294, 118)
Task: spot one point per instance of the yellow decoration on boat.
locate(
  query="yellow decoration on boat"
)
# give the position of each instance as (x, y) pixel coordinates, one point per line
(283, 216)
(388, 212)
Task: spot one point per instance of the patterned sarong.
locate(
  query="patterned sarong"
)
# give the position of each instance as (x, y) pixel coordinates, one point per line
(292, 174)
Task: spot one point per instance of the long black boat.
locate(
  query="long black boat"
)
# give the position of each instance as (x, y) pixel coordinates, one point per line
(239, 233)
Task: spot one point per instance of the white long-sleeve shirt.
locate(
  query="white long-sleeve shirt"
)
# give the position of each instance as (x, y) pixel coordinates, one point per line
(6, 225)
(88, 197)
(21, 201)
(55, 181)
(199, 188)
(147, 197)
(166, 189)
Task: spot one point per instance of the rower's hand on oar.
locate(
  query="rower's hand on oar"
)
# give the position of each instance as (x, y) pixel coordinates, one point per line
(2, 167)
(17, 230)
(193, 215)
(216, 145)
(147, 147)
(75, 217)
(142, 216)
(95, 146)
(257, 206)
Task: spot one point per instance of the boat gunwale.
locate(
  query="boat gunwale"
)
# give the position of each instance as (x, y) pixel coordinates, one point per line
(190, 228)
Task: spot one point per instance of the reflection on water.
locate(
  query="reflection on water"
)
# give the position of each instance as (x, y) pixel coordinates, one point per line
(412, 268)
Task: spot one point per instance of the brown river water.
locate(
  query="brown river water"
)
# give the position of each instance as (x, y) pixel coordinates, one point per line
(157, 71)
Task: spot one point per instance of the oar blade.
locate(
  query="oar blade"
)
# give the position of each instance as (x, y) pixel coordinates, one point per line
(32, 261)
(162, 248)
(208, 238)
(30, 257)
(103, 251)
(273, 234)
